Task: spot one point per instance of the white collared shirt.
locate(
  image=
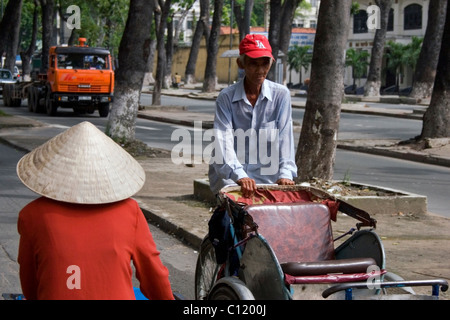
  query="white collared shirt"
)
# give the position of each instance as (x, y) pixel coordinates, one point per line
(255, 142)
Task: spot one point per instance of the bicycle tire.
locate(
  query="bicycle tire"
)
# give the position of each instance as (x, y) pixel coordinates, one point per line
(206, 270)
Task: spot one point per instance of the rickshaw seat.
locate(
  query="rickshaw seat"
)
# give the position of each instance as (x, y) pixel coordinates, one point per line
(295, 231)
(353, 265)
(300, 234)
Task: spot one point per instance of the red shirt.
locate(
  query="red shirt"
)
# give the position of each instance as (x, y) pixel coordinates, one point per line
(74, 251)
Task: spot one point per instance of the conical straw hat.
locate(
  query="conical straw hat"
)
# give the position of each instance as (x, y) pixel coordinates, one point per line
(81, 165)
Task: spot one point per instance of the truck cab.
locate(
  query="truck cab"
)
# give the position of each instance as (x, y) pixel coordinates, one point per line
(79, 77)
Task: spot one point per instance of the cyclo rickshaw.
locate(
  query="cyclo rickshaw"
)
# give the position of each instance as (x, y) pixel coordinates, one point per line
(278, 245)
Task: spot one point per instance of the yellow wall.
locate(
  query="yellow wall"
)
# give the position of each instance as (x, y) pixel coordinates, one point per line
(181, 57)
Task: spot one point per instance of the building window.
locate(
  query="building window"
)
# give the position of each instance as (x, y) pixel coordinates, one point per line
(360, 22)
(298, 24)
(390, 25)
(412, 17)
(314, 3)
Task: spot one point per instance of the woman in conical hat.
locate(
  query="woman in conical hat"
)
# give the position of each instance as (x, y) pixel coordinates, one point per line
(78, 238)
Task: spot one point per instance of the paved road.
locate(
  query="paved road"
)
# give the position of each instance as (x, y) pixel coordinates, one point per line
(351, 125)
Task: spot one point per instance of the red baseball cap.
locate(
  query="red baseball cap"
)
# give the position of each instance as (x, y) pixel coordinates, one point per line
(255, 46)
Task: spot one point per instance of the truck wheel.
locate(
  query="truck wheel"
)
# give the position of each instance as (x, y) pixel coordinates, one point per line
(38, 106)
(50, 105)
(103, 109)
(16, 102)
(6, 95)
(31, 100)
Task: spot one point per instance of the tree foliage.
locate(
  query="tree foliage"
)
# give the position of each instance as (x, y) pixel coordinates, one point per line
(299, 57)
(358, 61)
(399, 56)
(102, 22)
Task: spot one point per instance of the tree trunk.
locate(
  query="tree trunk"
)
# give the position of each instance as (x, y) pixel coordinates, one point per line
(281, 16)
(202, 29)
(47, 31)
(10, 26)
(148, 78)
(161, 25)
(247, 16)
(169, 55)
(318, 138)
(133, 55)
(274, 34)
(26, 56)
(288, 13)
(429, 55)
(436, 120)
(373, 83)
(173, 32)
(239, 20)
(209, 83)
(243, 20)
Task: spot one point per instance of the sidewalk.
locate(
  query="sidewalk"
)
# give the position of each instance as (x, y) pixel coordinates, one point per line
(416, 247)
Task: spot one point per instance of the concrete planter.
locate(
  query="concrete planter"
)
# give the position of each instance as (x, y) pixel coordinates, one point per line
(386, 201)
(389, 201)
(203, 192)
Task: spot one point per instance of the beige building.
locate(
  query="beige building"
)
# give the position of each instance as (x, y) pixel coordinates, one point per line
(227, 70)
(407, 18)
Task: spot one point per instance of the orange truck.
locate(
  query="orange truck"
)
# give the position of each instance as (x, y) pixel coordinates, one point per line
(78, 77)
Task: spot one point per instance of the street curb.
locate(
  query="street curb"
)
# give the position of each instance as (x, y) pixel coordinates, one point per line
(366, 111)
(13, 145)
(397, 155)
(187, 237)
(411, 116)
(189, 123)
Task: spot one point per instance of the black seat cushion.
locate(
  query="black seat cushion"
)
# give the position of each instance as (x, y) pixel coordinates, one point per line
(346, 266)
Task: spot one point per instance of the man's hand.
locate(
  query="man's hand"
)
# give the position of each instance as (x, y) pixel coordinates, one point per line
(248, 186)
(285, 182)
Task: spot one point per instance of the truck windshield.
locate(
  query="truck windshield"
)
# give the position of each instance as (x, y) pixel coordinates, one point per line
(82, 61)
(5, 74)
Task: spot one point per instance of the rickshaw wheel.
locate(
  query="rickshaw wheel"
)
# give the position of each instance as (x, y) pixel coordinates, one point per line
(206, 270)
(223, 293)
(230, 288)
